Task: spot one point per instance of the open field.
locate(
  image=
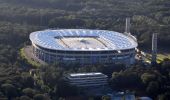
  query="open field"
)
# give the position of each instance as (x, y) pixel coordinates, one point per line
(160, 57)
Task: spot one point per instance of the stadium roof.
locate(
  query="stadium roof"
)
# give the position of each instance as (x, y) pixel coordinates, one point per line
(114, 40)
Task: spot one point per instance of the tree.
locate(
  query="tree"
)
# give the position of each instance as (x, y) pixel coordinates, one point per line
(106, 97)
(9, 90)
(125, 79)
(25, 98)
(147, 77)
(65, 89)
(153, 88)
(164, 96)
(50, 75)
(29, 92)
(27, 80)
(41, 97)
(165, 67)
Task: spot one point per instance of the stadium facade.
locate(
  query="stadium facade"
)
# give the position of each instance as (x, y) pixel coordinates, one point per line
(84, 46)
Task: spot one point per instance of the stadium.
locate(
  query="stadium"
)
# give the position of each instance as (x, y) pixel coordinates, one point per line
(83, 46)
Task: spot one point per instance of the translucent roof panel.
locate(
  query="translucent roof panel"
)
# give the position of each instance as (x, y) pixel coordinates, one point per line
(112, 40)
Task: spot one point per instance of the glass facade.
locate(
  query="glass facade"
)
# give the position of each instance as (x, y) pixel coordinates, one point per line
(87, 79)
(84, 57)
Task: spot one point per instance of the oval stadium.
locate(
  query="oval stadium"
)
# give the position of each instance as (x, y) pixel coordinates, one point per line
(83, 46)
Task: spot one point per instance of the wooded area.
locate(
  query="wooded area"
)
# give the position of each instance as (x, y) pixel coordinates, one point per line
(18, 18)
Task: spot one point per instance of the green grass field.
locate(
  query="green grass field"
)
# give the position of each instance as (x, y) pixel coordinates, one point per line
(160, 57)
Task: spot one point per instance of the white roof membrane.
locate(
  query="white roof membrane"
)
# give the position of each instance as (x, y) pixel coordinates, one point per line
(113, 40)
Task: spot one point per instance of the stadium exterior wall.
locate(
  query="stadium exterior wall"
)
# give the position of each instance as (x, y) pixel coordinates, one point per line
(126, 57)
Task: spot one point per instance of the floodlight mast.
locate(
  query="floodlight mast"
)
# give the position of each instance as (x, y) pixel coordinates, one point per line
(127, 28)
(154, 48)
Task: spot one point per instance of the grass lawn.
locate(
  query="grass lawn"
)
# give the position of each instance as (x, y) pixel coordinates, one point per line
(160, 57)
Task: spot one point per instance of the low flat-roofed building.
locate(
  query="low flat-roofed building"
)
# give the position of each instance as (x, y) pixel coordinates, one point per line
(144, 98)
(87, 79)
(122, 96)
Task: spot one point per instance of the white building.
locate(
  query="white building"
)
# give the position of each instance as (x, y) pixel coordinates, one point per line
(87, 79)
(83, 46)
(122, 96)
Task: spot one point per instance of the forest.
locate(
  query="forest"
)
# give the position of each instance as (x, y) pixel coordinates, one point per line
(18, 18)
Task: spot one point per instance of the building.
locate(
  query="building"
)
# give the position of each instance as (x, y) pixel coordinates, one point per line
(144, 98)
(83, 46)
(87, 79)
(122, 96)
(154, 49)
